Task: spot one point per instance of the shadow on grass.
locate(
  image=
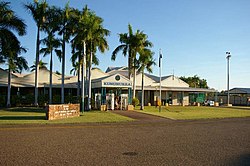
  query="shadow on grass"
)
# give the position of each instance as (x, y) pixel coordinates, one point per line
(168, 110)
(25, 109)
(23, 118)
(237, 108)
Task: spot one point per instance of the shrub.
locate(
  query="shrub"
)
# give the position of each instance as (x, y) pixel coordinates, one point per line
(27, 99)
(43, 100)
(71, 99)
(2, 101)
(15, 100)
(135, 102)
(56, 99)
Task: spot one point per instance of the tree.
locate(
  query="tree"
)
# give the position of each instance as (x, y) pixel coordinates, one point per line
(9, 23)
(96, 40)
(77, 66)
(195, 81)
(132, 44)
(41, 65)
(78, 45)
(38, 10)
(126, 41)
(58, 73)
(89, 36)
(145, 61)
(139, 43)
(10, 46)
(11, 50)
(51, 42)
(66, 28)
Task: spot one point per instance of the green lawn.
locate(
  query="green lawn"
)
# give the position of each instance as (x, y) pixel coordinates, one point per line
(194, 112)
(31, 115)
(37, 116)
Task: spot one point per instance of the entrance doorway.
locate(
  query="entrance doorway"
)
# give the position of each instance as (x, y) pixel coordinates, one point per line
(113, 101)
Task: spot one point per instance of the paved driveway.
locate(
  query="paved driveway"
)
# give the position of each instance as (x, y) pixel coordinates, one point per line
(163, 142)
(142, 117)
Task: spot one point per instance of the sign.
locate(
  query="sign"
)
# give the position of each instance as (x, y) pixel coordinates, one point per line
(61, 111)
(117, 84)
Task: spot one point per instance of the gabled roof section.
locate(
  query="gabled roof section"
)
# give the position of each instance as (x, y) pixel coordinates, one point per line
(240, 91)
(147, 80)
(43, 77)
(97, 73)
(156, 78)
(173, 81)
(109, 69)
(18, 74)
(4, 74)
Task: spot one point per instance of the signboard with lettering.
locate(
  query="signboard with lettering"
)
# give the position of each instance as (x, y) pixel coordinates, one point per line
(117, 84)
(116, 81)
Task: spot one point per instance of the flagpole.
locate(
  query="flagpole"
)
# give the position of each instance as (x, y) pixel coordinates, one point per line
(160, 57)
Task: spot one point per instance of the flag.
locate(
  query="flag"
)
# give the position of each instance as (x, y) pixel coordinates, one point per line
(160, 59)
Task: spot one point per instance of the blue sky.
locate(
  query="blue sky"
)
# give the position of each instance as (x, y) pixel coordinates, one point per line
(194, 35)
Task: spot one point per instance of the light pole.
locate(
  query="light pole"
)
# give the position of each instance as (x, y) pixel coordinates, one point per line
(228, 57)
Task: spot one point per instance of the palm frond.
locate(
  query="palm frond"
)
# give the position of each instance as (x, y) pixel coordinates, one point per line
(122, 47)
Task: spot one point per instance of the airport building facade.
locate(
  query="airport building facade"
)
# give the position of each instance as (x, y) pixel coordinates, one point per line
(111, 88)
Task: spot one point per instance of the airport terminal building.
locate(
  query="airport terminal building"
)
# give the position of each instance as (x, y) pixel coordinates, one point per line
(110, 88)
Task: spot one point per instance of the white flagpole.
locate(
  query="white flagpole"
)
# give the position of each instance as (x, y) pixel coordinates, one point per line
(160, 57)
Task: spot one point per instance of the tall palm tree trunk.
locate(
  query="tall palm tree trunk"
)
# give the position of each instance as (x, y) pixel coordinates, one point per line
(50, 79)
(63, 69)
(83, 87)
(90, 68)
(9, 88)
(129, 64)
(142, 90)
(83, 80)
(134, 82)
(129, 68)
(129, 75)
(37, 66)
(78, 81)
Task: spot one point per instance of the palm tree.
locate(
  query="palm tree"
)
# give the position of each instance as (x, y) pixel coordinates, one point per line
(77, 68)
(66, 27)
(51, 41)
(38, 11)
(9, 23)
(41, 65)
(78, 48)
(132, 44)
(139, 43)
(96, 40)
(10, 52)
(125, 47)
(90, 35)
(9, 44)
(145, 61)
(76, 71)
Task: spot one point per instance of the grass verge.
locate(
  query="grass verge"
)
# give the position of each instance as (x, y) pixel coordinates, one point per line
(37, 116)
(194, 112)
